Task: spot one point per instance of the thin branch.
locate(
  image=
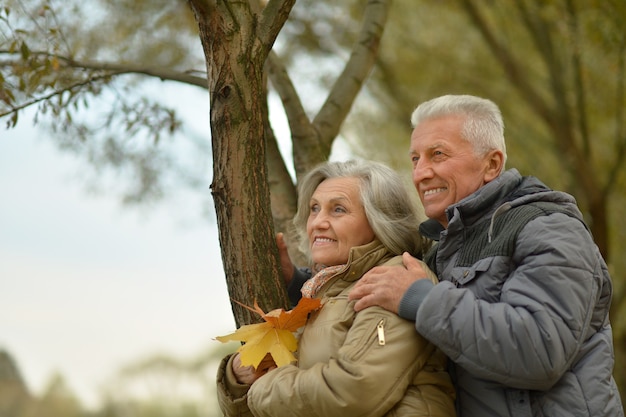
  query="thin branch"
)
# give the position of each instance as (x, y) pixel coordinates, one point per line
(202, 9)
(304, 136)
(539, 31)
(273, 18)
(343, 93)
(581, 100)
(53, 94)
(297, 118)
(510, 65)
(620, 131)
(60, 32)
(157, 72)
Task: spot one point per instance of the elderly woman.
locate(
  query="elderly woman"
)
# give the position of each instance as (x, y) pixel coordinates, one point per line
(353, 216)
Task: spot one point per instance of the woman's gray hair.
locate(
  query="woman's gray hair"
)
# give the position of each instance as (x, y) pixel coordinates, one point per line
(483, 126)
(391, 212)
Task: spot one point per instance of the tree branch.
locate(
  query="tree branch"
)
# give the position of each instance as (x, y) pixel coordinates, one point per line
(562, 125)
(53, 94)
(558, 119)
(202, 8)
(281, 81)
(581, 99)
(118, 69)
(620, 130)
(306, 152)
(272, 20)
(510, 65)
(343, 93)
(540, 34)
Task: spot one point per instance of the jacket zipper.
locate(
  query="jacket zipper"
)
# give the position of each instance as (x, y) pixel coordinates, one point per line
(381, 332)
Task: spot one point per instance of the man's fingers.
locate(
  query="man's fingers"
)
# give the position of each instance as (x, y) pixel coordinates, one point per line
(375, 278)
(358, 292)
(413, 265)
(361, 304)
(409, 261)
(375, 274)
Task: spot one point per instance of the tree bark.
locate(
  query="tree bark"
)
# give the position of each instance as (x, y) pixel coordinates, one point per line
(236, 40)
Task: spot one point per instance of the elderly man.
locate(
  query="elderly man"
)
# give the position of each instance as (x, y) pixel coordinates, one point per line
(522, 303)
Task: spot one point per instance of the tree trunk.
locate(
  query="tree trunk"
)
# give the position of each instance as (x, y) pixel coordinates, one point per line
(235, 52)
(237, 39)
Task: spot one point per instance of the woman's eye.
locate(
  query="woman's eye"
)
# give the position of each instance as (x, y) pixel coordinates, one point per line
(314, 208)
(340, 209)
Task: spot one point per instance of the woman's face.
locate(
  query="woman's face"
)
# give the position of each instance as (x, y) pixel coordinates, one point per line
(337, 221)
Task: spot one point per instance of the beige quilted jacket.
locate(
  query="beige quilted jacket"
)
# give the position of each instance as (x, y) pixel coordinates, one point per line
(372, 363)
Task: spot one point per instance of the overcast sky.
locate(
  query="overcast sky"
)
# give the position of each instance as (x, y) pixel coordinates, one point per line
(87, 286)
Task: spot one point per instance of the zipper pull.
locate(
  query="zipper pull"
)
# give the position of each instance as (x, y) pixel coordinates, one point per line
(381, 332)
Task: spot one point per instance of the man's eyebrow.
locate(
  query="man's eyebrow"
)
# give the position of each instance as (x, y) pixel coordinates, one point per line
(430, 147)
(436, 145)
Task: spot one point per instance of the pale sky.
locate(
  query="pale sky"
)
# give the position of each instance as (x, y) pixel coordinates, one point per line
(87, 286)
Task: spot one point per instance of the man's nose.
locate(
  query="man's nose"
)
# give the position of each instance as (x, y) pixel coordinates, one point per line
(421, 171)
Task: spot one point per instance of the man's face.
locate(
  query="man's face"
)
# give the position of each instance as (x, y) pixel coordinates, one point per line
(445, 167)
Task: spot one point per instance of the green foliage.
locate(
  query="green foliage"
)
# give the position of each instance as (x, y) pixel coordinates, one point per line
(69, 65)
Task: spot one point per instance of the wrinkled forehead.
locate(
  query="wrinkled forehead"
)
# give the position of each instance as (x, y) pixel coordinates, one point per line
(443, 131)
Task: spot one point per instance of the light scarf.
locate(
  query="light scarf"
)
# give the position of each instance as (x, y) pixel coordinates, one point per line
(313, 285)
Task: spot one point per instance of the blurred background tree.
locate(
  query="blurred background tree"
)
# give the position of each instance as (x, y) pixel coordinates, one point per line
(157, 386)
(14, 394)
(556, 68)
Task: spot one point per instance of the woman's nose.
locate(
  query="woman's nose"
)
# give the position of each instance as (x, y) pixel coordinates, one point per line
(320, 221)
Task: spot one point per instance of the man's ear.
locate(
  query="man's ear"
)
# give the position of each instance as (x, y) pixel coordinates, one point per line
(495, 163)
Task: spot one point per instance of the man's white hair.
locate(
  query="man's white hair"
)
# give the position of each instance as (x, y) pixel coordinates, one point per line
(483, 126)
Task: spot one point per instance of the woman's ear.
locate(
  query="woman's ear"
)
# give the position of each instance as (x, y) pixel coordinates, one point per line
(495, 163)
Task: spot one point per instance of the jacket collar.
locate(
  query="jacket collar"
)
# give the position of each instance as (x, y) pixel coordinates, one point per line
(363, 258)
(509, 190)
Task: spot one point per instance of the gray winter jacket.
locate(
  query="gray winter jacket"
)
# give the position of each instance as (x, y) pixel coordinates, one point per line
(521, 307)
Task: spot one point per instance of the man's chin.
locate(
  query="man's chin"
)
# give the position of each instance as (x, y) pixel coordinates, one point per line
(434, 212)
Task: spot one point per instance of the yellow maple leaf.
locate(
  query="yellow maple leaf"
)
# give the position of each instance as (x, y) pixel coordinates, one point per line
(274, 336)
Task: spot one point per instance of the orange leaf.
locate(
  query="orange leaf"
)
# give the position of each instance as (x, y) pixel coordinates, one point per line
(274, 336)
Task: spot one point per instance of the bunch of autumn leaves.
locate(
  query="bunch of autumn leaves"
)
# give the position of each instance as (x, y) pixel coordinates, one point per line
(274, 336)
